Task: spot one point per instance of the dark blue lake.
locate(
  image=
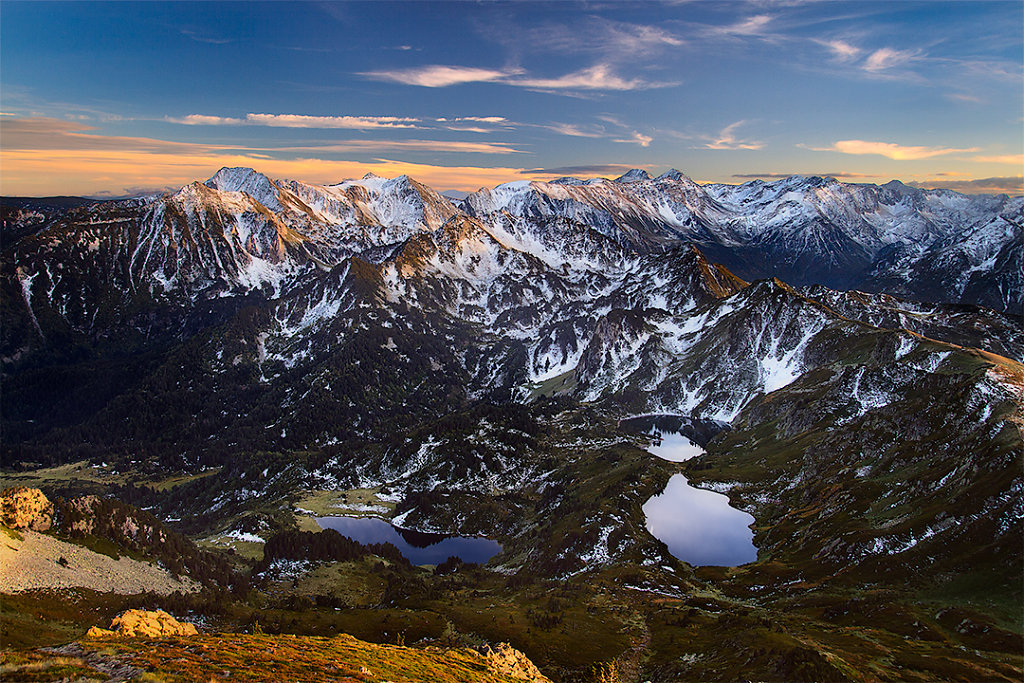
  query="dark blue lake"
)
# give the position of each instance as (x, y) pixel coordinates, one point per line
(416, 546)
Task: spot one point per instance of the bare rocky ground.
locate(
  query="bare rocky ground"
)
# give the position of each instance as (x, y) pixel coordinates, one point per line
(34, 562)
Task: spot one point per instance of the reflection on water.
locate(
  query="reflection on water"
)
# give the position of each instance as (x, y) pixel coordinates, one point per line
(416, 546)
(696, 430)
(674, 447)
(698, 526)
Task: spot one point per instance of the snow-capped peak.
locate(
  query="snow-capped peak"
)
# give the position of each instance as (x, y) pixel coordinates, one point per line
(673, 174)
(249, 181)
(633, 175)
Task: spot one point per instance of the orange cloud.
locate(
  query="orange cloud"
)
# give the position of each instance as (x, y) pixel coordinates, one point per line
(890, 149)
(50, 172)
(1013, 159)
(50, 156)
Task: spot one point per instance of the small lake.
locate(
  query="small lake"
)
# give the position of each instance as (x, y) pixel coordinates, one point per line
(675, 447)
(416, 546)
(698, 526)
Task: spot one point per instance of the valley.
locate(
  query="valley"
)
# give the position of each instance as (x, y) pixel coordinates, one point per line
(246, 362)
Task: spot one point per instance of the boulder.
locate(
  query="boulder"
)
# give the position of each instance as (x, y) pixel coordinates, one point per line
(25, 508)
(140, 623)
(97, 632)
(505, 659)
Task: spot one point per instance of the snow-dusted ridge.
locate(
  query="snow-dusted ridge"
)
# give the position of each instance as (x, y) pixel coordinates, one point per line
(594, 288)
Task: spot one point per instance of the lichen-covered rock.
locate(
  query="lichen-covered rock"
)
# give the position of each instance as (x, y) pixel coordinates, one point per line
(25, 508)
(139, 623)
(505, 659)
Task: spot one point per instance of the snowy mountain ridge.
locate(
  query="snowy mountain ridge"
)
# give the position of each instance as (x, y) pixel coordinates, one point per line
(933, 245)
(602, 290)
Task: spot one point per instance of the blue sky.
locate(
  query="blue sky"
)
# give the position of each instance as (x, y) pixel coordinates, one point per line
(118, 98)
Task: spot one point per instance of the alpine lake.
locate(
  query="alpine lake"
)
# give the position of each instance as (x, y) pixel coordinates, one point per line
(699, 526)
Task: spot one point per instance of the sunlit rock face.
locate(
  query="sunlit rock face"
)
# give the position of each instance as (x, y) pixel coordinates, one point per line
(138, 623)
(25, 508)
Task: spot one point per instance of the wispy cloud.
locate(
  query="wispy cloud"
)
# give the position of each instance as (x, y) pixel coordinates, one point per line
(1013, 185)
(890, 150)
(470, 124)
(477, 124)
(840, 174)
(596, 77)
(483, 119)
(887, 58)
(1015, 159)
(41, 133)
(299, 121)
(440, 76)
(584, 170)
(637, 139)
(612, 40)
(50, 156)
(205, 120)
(883, 62)
(964, 97)
(727, 139)
(841, 50)
(407, 145)
(204, 38)
(576, 130)
(302, 121)
(756, 25)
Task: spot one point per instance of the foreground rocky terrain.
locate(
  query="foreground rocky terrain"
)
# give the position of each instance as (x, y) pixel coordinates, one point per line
(293, 658)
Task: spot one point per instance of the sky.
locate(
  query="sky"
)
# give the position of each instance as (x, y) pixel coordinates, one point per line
(115, 99)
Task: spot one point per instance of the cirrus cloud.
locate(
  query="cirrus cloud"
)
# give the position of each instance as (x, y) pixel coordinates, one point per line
(597, 77)
(636, 138)
(440, 76)
(841, 49)
(298, 121)
(888, 58)
(727, 139)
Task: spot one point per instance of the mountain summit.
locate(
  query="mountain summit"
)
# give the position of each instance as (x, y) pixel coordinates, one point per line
(633, 175)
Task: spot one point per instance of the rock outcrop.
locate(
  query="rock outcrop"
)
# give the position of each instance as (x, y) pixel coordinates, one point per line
(25, 508)
(138, 623)
(505, 659)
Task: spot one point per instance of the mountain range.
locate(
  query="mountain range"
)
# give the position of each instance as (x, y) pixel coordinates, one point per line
(633, 291)
(848, 356)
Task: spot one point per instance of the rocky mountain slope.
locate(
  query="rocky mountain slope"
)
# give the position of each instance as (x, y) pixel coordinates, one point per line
(933, 245)
(593, 288)
(99, 544)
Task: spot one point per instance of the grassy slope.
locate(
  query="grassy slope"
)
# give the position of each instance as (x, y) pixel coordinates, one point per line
(253, 658)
